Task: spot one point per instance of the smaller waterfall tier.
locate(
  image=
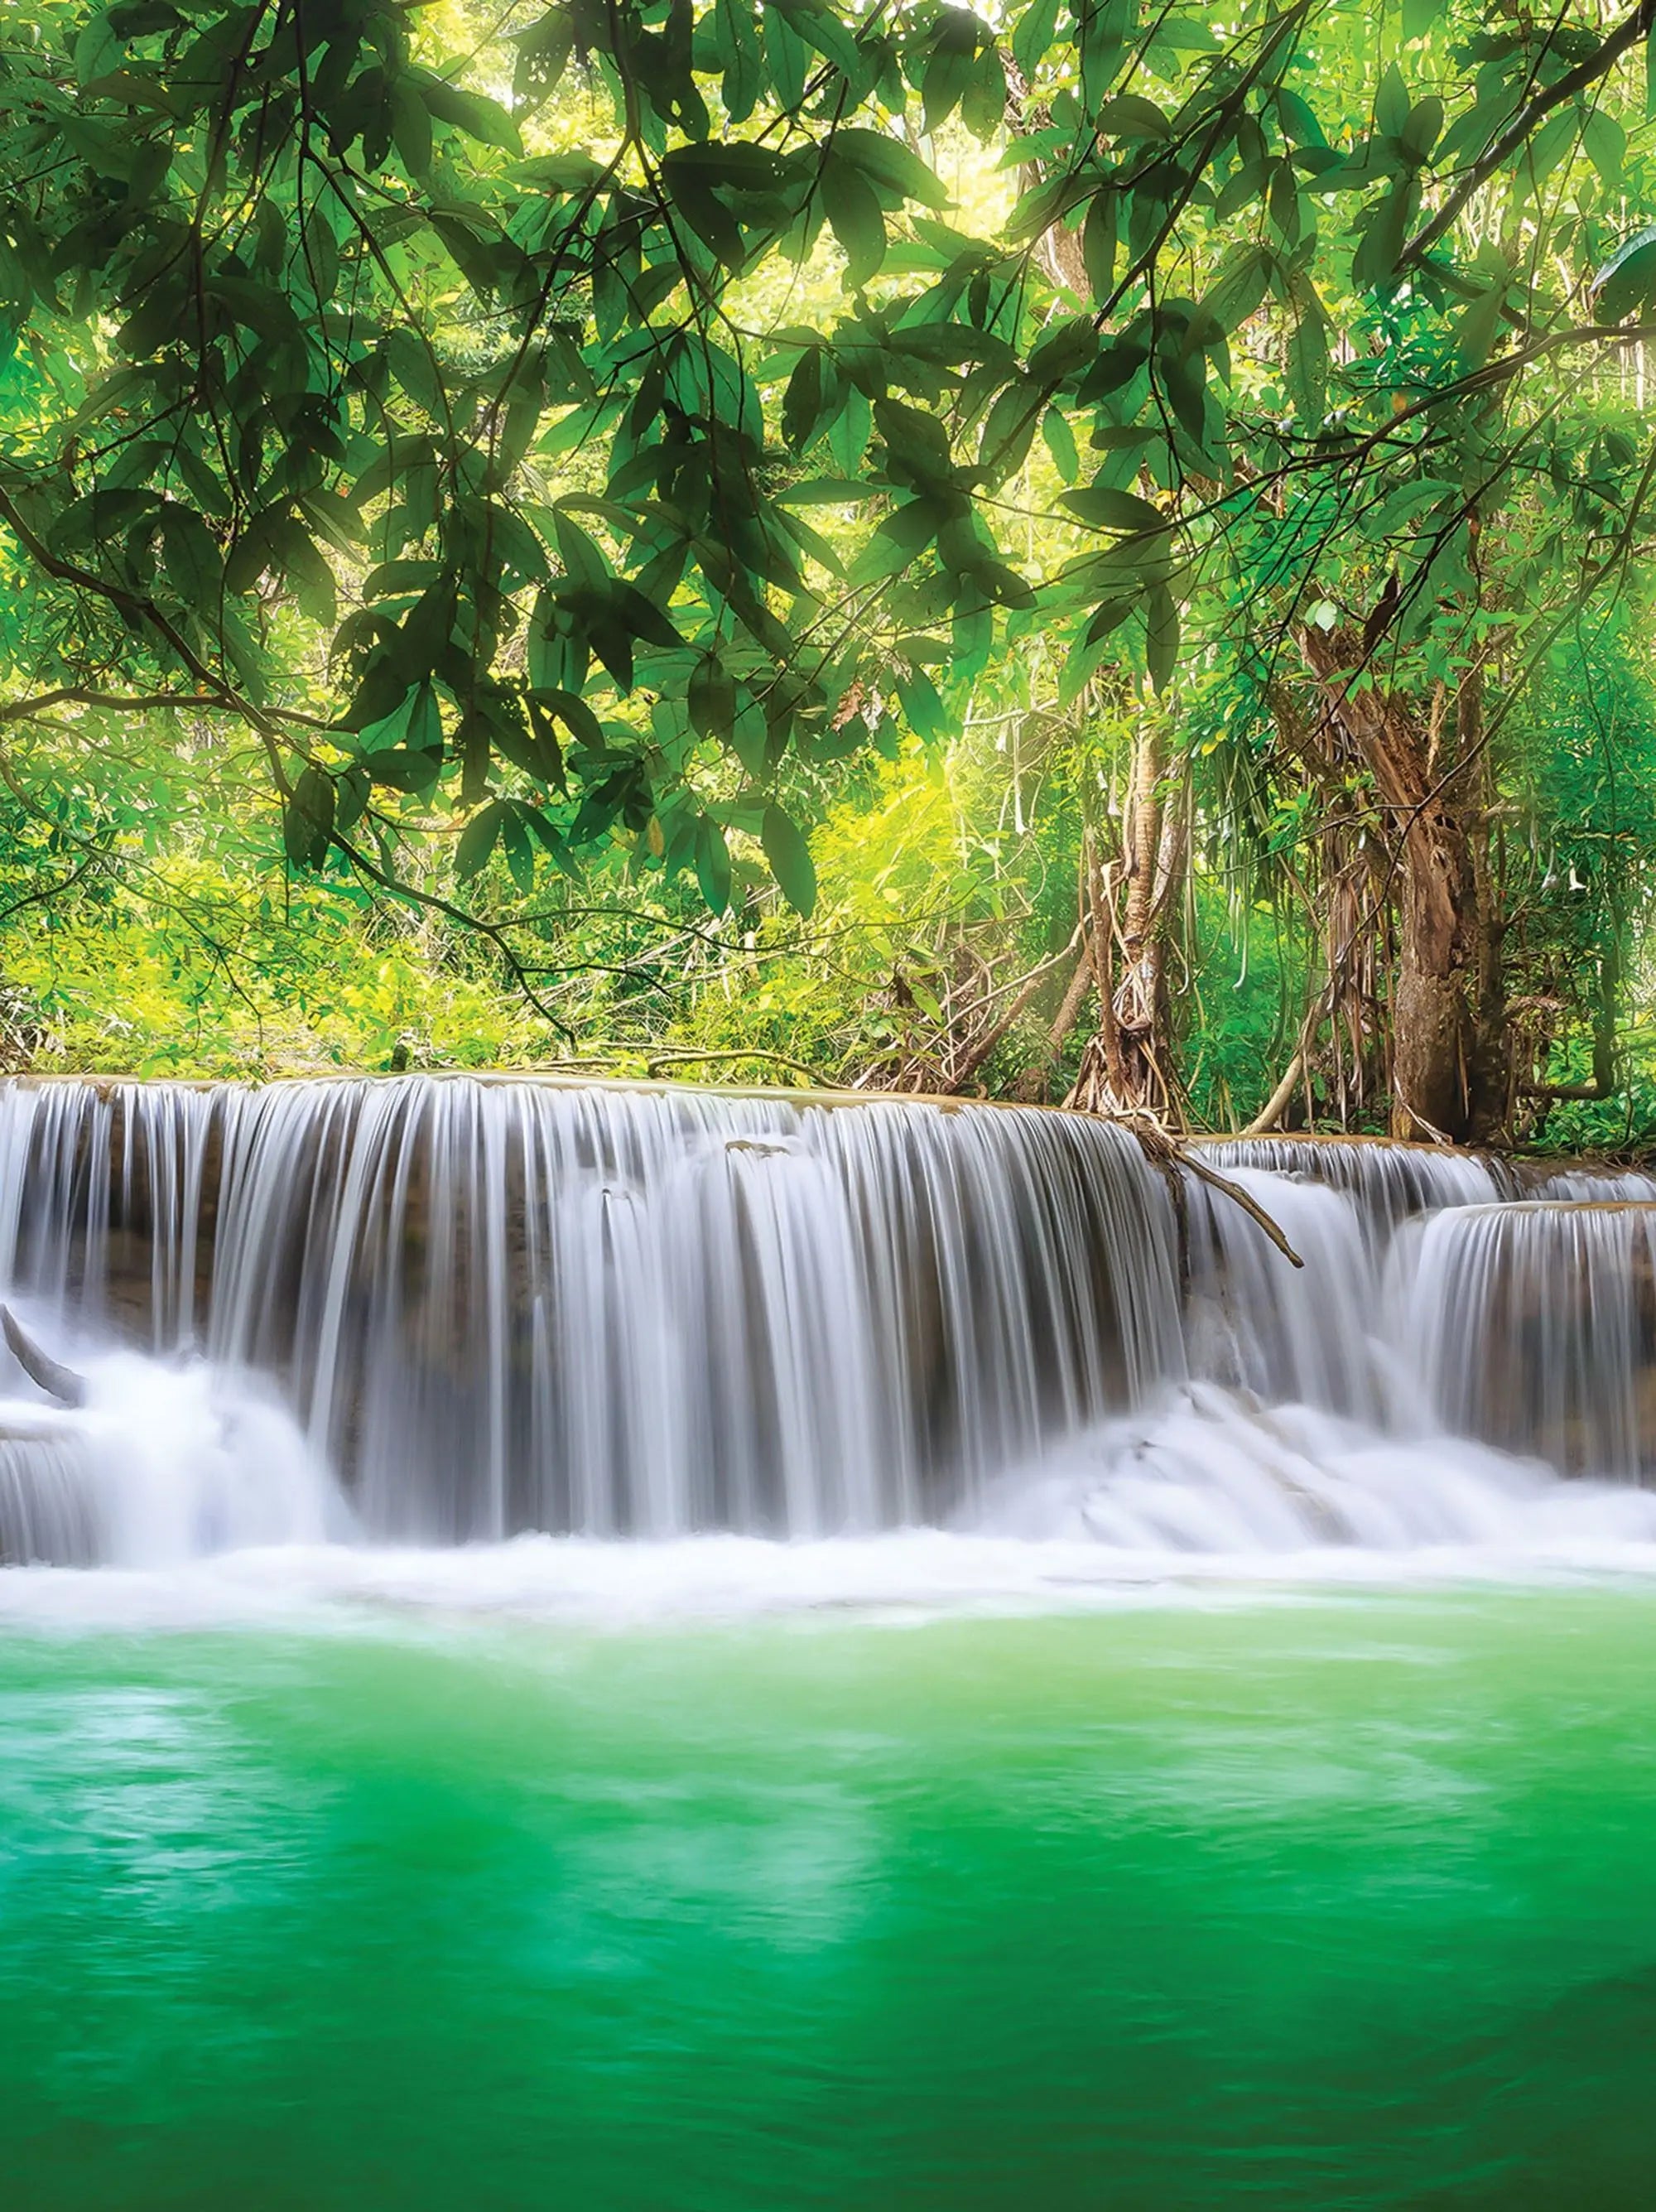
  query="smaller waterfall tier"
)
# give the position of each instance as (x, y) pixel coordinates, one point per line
(1594, 1182)
(1388, 1179)
(1533, 1326)
(163, 1462)
(1257, 1322)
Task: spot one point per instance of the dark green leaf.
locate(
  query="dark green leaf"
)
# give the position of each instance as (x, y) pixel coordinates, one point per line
(854, 214)
(1628, 280)
(308, 819)
(478, 839)
(887, 161)
(1162, 637)
(788, 855)
(713, 864)
(1106, 509)
(483, 120)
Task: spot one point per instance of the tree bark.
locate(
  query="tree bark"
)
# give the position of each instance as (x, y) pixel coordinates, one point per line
(1448, 1059)
(1126, 1067)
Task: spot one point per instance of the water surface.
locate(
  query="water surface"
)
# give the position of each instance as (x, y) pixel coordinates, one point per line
(1272, 1896)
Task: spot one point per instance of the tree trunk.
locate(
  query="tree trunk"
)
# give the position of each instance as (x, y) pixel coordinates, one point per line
(1126, 1067)
(1448, 1058)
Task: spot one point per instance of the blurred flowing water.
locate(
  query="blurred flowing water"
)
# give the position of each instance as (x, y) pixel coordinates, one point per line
(645, 1649)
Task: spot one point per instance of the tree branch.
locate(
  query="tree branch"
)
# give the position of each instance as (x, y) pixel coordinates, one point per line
(1627, 33)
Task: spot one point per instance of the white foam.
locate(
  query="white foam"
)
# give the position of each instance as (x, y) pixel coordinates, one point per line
(1210, 1500)
(1218, 1474)
(167, 1461)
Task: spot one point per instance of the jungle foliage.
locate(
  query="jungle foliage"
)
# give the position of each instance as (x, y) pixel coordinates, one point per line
(579, 449)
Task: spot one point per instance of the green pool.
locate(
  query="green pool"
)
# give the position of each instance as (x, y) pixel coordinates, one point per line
(1276, 1898)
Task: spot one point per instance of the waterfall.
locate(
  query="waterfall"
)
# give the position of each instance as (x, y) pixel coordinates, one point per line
(446, 1310)
(1533, 1326)
(1256, 1321)
(496, 1306)
(1595, 1183)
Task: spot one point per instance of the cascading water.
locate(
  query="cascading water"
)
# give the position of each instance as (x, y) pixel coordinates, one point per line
(498, 1307)
(504, 1306)
(1595, 1183)
(1278, 1331)
(1388, 1181)
(1534, 1326)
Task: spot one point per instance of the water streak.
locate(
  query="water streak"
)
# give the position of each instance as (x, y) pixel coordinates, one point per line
(1533, 1326)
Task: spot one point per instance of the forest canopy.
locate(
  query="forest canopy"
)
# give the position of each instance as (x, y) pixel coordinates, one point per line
(1074, 550)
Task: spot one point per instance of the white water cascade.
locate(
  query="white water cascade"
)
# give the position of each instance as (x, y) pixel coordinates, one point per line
(437, 1310)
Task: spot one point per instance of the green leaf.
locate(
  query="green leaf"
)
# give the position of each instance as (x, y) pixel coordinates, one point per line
(787, 55)
(853, 210)
(1107, 509)
(577, 717)
(1160, 636)
(1385, 226)
(411, 123)
(922, 708)
(1627, 279)
(738, 43)
(712, 700)
(1131, 116)
(1061, 443)
(788, 855)
(308, 818)
(1299, 120)
(1408, 503)
(712, 864)
(194, 567)
(1098, 244)
(321, 254)
(1606, 143)
(1475, 333)
(520, 852)
(478, 839)
(425, 722)
(825, 492)
(1240, 287)
(948, 71)
(1036, 29)
(1106, 617)
(887, 161)
(1391, 103)
(1308, 366)
(1549, 147)
(411, 363)
(485, 121)
(98, 52)
(1423, 130)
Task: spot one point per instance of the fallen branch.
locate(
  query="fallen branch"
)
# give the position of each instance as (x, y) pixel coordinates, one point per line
(1070, 1012)
(976, 1053)
(657, 1060)
(49, 1375)
(1167, 1152)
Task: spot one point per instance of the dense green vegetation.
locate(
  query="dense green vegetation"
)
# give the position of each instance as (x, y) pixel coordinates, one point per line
(1080, 550)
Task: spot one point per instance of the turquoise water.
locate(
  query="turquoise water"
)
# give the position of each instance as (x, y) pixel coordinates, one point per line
(1281, 1899)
